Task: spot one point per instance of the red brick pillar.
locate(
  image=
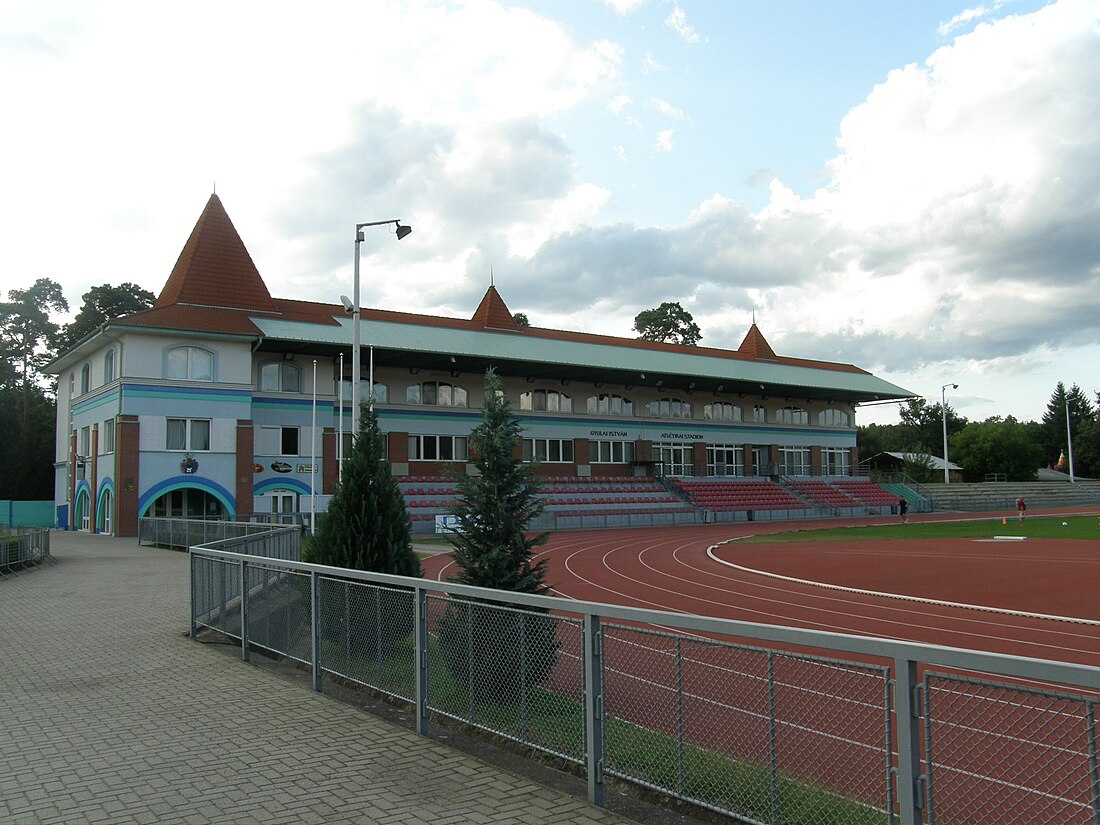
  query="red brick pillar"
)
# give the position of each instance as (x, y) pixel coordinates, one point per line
(699, 457)
(746, 452)
(815, 461)
(329, 468)
(127, 480)
(246, 451)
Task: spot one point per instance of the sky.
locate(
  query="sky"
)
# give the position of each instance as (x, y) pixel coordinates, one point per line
(912, 187)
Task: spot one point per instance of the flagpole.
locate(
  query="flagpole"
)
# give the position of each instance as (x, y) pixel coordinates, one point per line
(313, 458)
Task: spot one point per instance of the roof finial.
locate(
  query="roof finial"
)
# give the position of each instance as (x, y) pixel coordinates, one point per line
(491, 275)
(754, 316)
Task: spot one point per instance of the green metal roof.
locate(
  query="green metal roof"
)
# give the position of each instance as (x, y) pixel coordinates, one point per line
(539, 356)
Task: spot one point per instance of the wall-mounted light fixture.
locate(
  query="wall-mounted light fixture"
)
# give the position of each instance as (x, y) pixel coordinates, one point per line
(565, 382)
(414, 370)
(530, 379)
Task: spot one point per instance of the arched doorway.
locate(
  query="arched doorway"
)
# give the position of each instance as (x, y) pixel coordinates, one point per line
(82, 510)
(104, 521)
(187, 502)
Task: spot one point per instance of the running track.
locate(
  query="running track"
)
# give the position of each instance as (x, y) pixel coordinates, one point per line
(670, 569)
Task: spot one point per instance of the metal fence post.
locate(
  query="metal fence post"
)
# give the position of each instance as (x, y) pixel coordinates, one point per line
(244, 610)
(773, 749)
(1094, 770)
(680, 712)
(907, 713)
(420, 608)
(191, 565)
(593, 707)
(315, 627)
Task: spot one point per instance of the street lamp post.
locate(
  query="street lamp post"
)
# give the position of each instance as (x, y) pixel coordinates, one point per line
(1069, 443)
(356, 347)
(943, 409)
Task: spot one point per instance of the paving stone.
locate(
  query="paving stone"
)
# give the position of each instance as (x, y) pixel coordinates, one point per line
(112, 715)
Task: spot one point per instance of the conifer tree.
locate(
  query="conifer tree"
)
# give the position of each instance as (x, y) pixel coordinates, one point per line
(366, 526)
(498, 654)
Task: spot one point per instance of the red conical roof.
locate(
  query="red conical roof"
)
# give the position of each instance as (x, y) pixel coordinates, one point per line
(214, 269)
(754, 344)
(493, 313)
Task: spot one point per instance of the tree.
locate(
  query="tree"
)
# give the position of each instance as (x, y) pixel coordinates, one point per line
(498, 654)
(366, 526)
(1081, 414)
(104, 303)
(669, 322)
(924, 426)
(27, 335)
(996, 445)
(521, 319)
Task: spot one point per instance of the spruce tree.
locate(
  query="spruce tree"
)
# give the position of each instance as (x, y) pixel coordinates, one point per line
(492, 545)
(498, 654)
(366, 526)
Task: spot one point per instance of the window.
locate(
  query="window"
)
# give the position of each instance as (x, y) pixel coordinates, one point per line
(84, 442)
(189, 364)
(792, 415)
(85, 378)
(107, 436)
(278, 441)
(835, 461)
(794, 461)
(279, 376)
(721, 411)
(188, 434)
(437, 448)
(549, 450)
(109, 366)
(759, 414)
(725, 460)
(436, 394)
(610, 452)
(669, 408)
(610, 404)
(551, 400)
(833, 418)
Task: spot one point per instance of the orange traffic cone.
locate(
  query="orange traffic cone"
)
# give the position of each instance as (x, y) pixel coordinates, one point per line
(1004, 520)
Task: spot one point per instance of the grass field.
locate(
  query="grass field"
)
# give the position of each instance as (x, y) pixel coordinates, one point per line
(1081, 528)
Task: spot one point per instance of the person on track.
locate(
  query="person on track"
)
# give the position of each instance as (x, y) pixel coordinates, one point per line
(903, 508)
(1021, 508)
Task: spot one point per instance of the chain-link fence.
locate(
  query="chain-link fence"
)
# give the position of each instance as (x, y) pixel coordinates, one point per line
(180, 533)
(1045, 747)
(785, 733)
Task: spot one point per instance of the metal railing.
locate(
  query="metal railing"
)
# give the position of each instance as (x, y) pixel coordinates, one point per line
(276, 541)
(25, 547)
(762, 723)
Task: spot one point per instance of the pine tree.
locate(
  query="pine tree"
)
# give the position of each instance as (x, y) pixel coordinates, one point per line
(498, 654)
(492, 547)
(366, 526)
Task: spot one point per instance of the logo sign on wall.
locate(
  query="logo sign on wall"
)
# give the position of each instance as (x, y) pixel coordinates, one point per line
(281, 467)
(446, 524)
(189, 466)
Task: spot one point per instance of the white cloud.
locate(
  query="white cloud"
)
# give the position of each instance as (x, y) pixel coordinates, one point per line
(651, 64)
(624, 7)
(967, 16)
(677, 21)
(618, 103)
(666, 109)
(664, 141)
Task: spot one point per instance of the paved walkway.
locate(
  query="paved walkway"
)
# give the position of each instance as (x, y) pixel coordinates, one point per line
(109, 713)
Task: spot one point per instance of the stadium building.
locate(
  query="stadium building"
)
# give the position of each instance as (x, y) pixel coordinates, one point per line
(223, 401)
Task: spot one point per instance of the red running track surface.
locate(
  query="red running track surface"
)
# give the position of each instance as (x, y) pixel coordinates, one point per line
(670, 569)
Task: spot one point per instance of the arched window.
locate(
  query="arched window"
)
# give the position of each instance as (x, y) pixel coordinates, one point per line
(722, 411)
(85, 378)
(109, 366)
(550, 400)
(791, 415)
(189, 364)
(610, 404)
(280, 376)
(381, 392)
(759, 414)
(436, 394)
(833, 418)
(669, 408)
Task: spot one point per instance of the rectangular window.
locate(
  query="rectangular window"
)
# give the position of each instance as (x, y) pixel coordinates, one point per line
(437, 448)
(84, 445)
(610, 452)
(277, 441)
(177, 363)
(107, 436)
(725, 460)
(289, 441)
(188, 434)
(548, 450)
